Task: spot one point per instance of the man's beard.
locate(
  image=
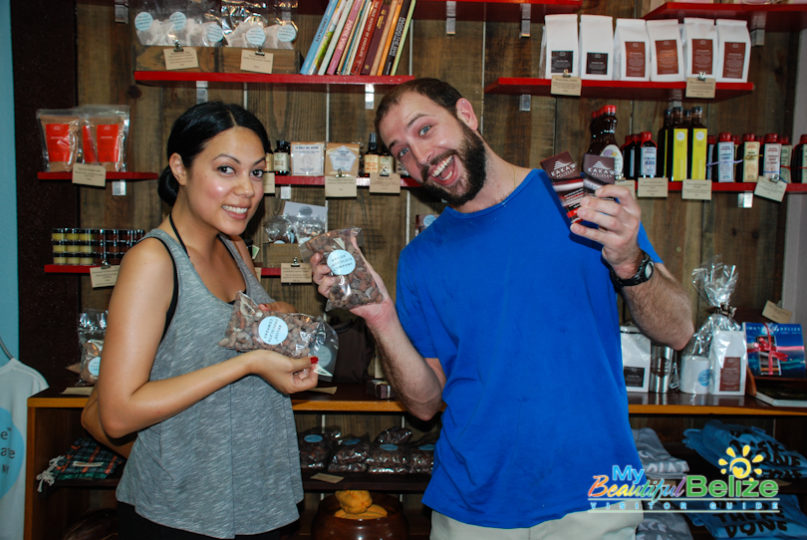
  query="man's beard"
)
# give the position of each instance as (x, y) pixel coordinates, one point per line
(472, 156)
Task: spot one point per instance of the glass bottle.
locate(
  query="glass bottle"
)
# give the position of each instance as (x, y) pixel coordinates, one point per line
(696, 145)
(281, 158)
(663, 144)
(648, 155)
(370, 160)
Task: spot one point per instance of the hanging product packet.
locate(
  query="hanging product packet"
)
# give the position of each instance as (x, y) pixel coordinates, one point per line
(699, 45)
(596, 47)
(104, 130)
(559, 46)
(254, 326)
(91, 332)
(59, 133)
(720, 338)
(355, 285)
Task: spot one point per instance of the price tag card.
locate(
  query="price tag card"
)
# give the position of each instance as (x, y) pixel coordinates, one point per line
(258, 62)
(697, 190)
(697, 88)
(652, 187)
(776, 314)
(268, 183)
(630, 184)
(89, 175)
(385, 184)
(565, 86)
(180, 59)
(295, 273)
(340, 186)
(770, 189)
(325, 477)
(104, 277)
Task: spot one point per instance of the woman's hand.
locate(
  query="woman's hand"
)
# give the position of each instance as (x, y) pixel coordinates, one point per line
(287, 375)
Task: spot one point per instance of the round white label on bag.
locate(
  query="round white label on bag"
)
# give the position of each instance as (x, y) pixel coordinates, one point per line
(273, 330)
(341, 262)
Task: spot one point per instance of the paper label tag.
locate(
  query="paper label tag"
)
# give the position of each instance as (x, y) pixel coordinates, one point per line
(268, 183)
(565, 86)
(630, 184)
(698, 190)
(258, 62)
(300, 273)
(89, 175)
(104, 277)
(385, 184)
(776, 314)
(652, 187)
(704, 89)
(344, 186)
(182, 59)
(770, 189)
(325, 477)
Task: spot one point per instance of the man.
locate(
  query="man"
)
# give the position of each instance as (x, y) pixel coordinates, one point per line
(511, 321)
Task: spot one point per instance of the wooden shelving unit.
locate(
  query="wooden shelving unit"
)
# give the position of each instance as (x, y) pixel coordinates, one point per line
(42, 175)
(261, 78)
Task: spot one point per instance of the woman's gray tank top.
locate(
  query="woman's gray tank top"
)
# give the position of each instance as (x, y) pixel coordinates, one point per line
(229, 464)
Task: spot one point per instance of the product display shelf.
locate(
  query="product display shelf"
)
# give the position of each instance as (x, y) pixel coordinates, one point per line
(739, 187)
(495, 10)
(66, 175)
(261, 78)
(773, 17)
(361, 181)
(613, 89)
(474, 10)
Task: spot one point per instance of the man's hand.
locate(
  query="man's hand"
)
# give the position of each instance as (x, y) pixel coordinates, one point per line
(618, 216)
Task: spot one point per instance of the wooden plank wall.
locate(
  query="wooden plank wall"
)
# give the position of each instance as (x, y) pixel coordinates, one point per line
(685, 233)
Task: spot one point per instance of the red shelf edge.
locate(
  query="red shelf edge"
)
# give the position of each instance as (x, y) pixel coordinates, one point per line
(538, 86)
(275, 78)
(783, 16)
(361, 181)
(66, 175)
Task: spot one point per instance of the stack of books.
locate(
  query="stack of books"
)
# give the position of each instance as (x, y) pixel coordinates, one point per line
(359, 37)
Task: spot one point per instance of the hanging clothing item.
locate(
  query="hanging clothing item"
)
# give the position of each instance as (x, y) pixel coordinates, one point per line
(18, 382)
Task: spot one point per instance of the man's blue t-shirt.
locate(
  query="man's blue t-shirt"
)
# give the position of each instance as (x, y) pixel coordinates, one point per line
(522, 315)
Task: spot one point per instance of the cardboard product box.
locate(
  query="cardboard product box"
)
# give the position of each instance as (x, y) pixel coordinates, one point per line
(775, 350)
(154, 58)
(283, 60)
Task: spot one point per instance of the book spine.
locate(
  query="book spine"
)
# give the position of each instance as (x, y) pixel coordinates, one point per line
(326, 60)
(383, 46)
(366, 35)
(398, 55)
(378, 30)
(347, 31)
(326, 40)
(353, 42)
(396, 38)
(319, 36)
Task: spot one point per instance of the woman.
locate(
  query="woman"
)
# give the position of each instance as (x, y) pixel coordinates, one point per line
(216, 452)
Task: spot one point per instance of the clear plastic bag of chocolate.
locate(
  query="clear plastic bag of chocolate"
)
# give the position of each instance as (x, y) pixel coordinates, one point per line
(172, 22)
(59, 134)
(316, 446)
(104, 130)
(91, 332)
(715, 282)
(254, 326)
(355, 285)
(350, 455)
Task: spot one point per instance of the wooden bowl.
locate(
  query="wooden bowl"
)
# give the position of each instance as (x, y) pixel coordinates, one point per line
(326, 526)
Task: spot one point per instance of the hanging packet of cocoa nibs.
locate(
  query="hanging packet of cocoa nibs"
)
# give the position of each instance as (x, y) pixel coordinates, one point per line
(355, 285)
(598, 170)
(560, 167)
(254, 326)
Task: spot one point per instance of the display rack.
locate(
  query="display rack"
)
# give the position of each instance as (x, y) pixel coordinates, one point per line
(67, 175)
(771, 17)
(262, 78)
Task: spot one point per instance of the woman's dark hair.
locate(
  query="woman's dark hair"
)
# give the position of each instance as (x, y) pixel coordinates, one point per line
(194, 128)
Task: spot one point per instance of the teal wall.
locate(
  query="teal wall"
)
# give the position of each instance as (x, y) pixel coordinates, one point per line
(9, 293)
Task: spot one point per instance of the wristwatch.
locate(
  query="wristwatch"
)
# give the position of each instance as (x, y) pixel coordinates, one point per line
(643, 273)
